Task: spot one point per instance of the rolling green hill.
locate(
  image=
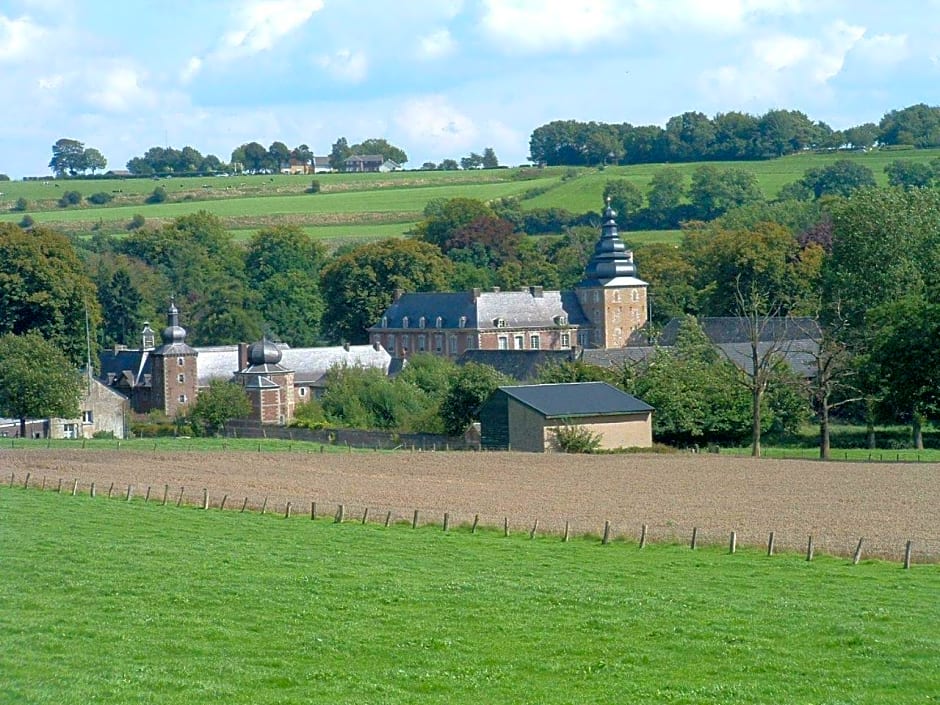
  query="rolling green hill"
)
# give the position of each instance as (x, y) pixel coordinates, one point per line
(363, 206)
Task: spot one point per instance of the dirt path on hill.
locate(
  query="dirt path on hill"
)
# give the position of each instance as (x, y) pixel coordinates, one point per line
(836, 503)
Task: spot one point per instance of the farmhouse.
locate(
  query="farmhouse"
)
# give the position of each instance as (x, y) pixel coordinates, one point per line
(526, 417)
(275, 376)
(370, 162)
(602, 311)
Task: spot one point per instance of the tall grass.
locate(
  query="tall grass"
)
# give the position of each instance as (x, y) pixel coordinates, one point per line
(114, 601)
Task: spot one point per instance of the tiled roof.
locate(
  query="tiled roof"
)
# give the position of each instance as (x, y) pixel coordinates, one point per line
(732, 329)
(521, 365)
(576, 399)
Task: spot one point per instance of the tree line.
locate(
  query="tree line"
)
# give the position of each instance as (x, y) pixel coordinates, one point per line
(693, 136)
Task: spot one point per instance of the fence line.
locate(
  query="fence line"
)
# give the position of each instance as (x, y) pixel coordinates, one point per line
(643, 534)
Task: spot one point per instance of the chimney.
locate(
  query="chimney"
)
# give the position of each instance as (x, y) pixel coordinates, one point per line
(242, 356)
(399, 292)
(476, 291)
(376, 345)
(536, 291)
(346, 347)
(495, 289)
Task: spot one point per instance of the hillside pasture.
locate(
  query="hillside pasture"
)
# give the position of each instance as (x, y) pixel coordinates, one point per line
(126, 601)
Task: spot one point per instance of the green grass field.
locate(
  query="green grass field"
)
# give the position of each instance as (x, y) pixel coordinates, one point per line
(114, 601)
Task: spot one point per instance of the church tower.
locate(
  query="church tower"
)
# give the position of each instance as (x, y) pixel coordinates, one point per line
(173, 371)
(611, 295)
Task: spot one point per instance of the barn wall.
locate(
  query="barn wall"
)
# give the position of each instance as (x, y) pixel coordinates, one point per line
(526, 428)
(627, 431)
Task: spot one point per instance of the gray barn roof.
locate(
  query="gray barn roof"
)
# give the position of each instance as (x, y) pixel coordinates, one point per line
(574, 399)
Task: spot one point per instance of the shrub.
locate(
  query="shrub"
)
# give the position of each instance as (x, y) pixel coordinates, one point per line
(27, 221)
(158, 196)
(21, 205)
(4, 177)
(70, 198)
(136, 222)
(103, 434)
(576, 439)
(314, 187)
(100, 198)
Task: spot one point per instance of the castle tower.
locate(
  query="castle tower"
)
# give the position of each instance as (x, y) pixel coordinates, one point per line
(173, 372)
(611, 295)
(269, 386)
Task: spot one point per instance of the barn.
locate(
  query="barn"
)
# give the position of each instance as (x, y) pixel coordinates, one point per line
(524, 417)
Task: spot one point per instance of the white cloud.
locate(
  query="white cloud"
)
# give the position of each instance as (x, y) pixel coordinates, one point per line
(884, 50)
(120, 90)
(434, 124)
(50, 83)
(345, 65)
(436, 45)
(262, 23)
(192, 67)
(19, 37)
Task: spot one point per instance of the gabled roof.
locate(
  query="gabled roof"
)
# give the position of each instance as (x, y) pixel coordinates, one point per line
(733, 329)
(574, 399)
(531, 308)
(521, 365)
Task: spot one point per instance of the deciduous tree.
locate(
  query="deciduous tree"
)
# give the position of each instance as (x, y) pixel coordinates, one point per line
(218, 404)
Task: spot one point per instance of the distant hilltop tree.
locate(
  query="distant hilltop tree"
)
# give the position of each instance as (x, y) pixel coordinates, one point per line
(71, 158)
(167, 160)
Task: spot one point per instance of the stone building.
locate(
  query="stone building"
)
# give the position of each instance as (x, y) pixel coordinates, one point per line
(606, 306)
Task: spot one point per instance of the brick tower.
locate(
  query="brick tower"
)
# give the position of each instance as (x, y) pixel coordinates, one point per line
(173, 371)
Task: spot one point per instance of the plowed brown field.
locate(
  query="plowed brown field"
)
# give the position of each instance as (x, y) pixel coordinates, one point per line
(836, 503)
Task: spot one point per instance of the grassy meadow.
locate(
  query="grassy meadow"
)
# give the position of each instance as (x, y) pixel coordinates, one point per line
(356, 207)
(114, 601)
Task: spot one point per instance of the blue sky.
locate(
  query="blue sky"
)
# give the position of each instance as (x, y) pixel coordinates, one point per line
(439, 78)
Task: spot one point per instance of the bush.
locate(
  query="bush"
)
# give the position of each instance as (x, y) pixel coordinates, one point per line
(21, 205)
(136, 222)
(314, 187)
(100, 198)
(27, 222)
(158, 196)
(4, 177)
(576, 439)
(70, 198)
(103, 434)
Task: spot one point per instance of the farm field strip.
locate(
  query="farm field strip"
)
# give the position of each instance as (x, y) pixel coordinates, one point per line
(836, 503)
(125, 601)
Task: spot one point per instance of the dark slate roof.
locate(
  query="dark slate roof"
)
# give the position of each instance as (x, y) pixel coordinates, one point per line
(616, 357)
(531, 308)
(732, 329)
(575, 399)
(521, 365)
(133, 365)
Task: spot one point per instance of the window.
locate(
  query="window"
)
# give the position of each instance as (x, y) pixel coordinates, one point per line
(566, 340)
(616, 296)
(422, 343)
(302, 392)
(500, 322)
(439, 322)
(583, 338)
(534, 342)
(502, 342)
(597, 296)
(180, 361)
(519, 342)
(635, 295)
(404, 322)
(471, 342)
(463, 322)
(182, 398)
(390, 343)
(87, 416)
(180, 377)
(452, 345)
(69, 430)
(438, 343)
(422, 322)
(385, 321)
(561, 320)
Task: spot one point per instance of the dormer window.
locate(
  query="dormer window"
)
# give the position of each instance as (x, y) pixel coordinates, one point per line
(439, 322)
(422, 322)
(561, 320)
(385, 321)
(463, 322)
(499, 322)
(404, 322)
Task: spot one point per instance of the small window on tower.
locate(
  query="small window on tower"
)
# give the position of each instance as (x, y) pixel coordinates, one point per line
(180, 377)
(180, 361)
(182, 398)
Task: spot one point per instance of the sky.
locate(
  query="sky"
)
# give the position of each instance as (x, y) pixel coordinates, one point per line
(438, 78)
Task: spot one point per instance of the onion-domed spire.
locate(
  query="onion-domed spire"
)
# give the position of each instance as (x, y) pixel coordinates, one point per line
(264, 352)
(173, 333)
(611, 258)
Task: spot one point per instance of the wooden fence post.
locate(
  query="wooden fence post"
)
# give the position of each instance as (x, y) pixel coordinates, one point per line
(643, 536)
(694, 537)
(147, 496)
(809, 548)
(166, 493)
(388, 518)
(313, 511)
(91, 492)
(222, 505)
(505, 526)
(733, 544)
(365, 515)
(567, 531)
(287, 511)
(535, 527)
(340, 514)
(476, 520)
(75, 487)
(606, 539)
(12, 478)
(205, 498)
(59, 488)
(908, 549)
(110, 490)
(26, 482)
(179, 500)
(43, 486)
(264, 505)
(130, 491)
(414, 521)
(446, 520)
(858, 552)
(770, 544)
(244, 504)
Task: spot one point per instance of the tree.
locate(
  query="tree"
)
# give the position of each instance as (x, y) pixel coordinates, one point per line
(625, 198)
(302, 155)
(67, 157)
(449, 165)
(714, 191)
(218, 404)
(443, 218)
(121, 304)
(37, 380)
(279, 155)
(489, 159)
(690, 136)
(474, 161)
(468, 389)
(918, 125)
(380, 146)
(841, 178)
(909, 174)
(861, 136)
(359, 285)
(339, 153)
(573, 371)
(94, 160)
(665, 194)
(45, 289)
